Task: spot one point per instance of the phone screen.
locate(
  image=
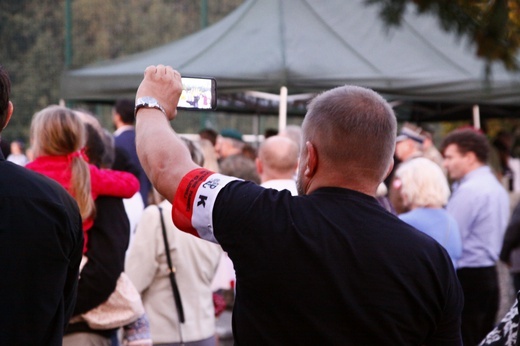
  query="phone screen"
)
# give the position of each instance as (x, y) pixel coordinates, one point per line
(198, 93)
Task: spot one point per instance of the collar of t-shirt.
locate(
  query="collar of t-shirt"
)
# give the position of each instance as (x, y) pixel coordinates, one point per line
(123, 129)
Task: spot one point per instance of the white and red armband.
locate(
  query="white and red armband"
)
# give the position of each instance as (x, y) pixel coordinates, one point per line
(194, 201)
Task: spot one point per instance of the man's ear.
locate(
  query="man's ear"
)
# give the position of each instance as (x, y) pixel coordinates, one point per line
(312, 160)
(10, 109)
(259, 167)
(471, 157)
(116, 116)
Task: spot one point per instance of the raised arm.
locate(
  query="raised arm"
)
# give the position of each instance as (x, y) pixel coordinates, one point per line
(163, 155)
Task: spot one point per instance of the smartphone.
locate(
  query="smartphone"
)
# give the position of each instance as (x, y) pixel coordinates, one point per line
(198, 93)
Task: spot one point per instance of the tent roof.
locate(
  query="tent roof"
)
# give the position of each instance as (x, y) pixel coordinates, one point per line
(309, 46)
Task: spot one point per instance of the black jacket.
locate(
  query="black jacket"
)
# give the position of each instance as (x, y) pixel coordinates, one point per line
(107, 244)
(41, 241)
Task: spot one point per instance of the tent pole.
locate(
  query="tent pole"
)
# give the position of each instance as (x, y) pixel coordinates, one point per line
(476, 117)
(256, 128)
(282, 114)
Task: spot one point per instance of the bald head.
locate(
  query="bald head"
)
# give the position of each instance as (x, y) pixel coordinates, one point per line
(277, 158)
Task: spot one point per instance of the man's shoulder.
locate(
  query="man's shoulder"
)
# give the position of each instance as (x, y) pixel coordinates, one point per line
(126, 140)
(281, 184)
(21, 182)
(39, 202)
(484, 183)
(125, 133)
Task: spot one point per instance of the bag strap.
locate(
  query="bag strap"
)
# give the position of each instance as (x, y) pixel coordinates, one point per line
(175, 288)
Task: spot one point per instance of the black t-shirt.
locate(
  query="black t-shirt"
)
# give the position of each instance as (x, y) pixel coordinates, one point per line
(41, 241)
(330, 268)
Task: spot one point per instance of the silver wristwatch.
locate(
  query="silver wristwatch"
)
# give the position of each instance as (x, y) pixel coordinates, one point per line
(147, 102)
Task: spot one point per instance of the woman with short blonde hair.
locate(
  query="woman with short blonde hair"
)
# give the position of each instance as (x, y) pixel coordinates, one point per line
(426, 185)
(425, 191)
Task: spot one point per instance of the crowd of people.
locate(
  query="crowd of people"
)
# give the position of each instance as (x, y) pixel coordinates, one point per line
(347, 229)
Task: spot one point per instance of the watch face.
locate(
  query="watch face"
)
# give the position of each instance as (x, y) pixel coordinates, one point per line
(148, 100)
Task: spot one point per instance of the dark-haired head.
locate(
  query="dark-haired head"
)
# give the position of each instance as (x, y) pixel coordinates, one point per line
(5, 94)
(125, 109)
(468, 140)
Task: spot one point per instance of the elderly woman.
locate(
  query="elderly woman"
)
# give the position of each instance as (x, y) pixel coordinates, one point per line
(425, 191)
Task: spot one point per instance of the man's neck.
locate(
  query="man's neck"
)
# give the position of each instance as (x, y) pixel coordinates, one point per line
(360, 185)
(123, 128)
(474, 167)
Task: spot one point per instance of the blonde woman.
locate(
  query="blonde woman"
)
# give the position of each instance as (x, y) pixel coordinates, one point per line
(425, 191)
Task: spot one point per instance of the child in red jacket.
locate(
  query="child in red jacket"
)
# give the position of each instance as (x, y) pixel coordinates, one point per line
(58, 137)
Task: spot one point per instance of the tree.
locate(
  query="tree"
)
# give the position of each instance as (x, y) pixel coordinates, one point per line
(33, 40)
(493, 25)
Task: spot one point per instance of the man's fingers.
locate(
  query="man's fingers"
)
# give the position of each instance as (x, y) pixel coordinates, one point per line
(149, 70)
(170, 72)
(160, 71)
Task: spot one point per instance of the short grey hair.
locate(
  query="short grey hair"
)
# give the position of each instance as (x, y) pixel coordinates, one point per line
(353, 127)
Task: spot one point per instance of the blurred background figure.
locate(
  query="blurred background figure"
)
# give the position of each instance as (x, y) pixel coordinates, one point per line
(124, 121)
(18, 153)
(58, 136)
(241, 167)
(505, 166)
(207, 142)
(382, 198)
(210, 135)
(269, 132)
(480, 205)
(108, 238)
(510, 253)
(244, 168)
(425, 191)
(229, 142)
(277, 163)
(409, 143)
(195, 262)
(249, 151)
(210, 155)
(408, 146)
(428, 147)
(293, 132)
(101, 151)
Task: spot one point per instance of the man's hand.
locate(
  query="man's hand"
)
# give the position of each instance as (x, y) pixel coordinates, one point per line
(165, 85)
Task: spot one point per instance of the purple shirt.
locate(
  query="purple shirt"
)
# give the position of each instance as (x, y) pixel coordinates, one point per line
(480, 205)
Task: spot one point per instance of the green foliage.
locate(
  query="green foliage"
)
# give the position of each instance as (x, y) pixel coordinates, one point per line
(493, 25)
(32, 32)
(33, 41)
(33, 36)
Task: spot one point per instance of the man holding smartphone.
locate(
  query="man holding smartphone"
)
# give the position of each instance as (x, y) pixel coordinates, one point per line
(330, 266)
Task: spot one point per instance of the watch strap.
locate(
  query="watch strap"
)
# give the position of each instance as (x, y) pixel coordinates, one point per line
(147, 102)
